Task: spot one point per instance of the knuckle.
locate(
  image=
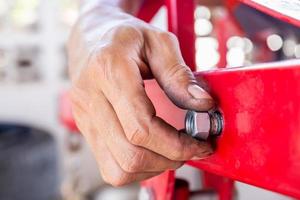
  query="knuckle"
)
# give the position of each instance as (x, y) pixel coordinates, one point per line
(126, 29)
(176, 155)
(179, 71)
(134, 162)
(105, 52)
(108, 64)
(167, 36)
(178, 151)
(118, 180)
(114, 175)
(104, 62)
(138, 132)
(177, 74)
(138, 136)
(107, 179)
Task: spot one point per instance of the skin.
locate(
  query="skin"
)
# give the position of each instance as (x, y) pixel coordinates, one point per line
(110, 54)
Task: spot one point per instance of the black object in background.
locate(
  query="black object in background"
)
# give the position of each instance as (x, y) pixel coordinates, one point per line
(28, 164)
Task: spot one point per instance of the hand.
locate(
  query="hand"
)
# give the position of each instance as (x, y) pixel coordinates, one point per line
(111, 107)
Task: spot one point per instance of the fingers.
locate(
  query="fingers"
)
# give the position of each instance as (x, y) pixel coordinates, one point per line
(118, 119)
(113, 174)
(175, 78)
(110, 170)
(137, 116)
(131, 158)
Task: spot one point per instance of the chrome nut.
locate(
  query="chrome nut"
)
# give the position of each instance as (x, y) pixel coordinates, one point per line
(202, 124)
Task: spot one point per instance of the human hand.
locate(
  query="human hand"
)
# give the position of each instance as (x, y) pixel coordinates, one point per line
(112, 109)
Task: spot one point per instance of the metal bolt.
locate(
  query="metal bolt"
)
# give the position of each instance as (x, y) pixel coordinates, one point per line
(203, 124)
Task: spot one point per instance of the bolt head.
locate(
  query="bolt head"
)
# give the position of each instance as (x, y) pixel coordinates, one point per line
(198, 124)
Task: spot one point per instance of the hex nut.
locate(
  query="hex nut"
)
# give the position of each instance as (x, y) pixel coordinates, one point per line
(202, 124)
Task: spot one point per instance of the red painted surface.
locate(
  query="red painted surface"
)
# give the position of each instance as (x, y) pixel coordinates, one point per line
(162, 186)
(260, 144)
(181, 23)
(225, 27)
(272, 12)
(223, 186)
(148, 9)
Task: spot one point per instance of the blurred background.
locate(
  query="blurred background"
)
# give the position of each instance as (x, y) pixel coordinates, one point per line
(33, 75)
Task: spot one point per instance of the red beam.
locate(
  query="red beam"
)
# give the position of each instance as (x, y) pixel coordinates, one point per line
(272, 12)
(181, 23)
(161, 187)
(148, 9)
(260, 144)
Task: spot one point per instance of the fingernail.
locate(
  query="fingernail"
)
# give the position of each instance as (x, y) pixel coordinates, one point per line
(197, 92)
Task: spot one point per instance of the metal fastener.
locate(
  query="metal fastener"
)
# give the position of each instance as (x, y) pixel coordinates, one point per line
(203, 124)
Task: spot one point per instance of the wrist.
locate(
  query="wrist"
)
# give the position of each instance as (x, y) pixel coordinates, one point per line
(101, 18)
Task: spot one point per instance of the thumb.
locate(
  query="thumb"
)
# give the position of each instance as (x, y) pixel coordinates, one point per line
(174, 77)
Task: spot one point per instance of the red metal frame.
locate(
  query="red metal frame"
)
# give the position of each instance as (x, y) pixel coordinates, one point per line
(272, 12)
(148, 9)
(260, 144)
(181, 23)
(225, 27)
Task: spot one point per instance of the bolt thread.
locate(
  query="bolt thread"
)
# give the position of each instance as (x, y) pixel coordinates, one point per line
(216, 122)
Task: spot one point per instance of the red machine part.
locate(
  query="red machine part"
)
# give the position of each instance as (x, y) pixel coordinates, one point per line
(148, 9)
(274, 9)
(177, 16)
(260, 144)
(162, 186)
(225, 27)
